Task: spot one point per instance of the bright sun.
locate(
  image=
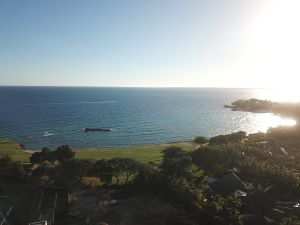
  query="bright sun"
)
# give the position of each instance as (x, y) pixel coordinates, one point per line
(274, 44)
(278, 94)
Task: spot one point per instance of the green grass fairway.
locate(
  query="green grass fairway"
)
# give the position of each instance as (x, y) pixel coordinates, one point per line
(149, 153)
(9, 148)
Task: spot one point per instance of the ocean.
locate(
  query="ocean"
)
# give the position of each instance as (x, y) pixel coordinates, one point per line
(51, 116)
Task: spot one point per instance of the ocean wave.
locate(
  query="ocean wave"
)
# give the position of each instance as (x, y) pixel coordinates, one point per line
(72, 103)
(47, 134)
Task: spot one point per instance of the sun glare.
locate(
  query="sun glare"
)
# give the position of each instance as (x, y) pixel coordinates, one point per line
(274, 46)
(279, 94)
(267, 120)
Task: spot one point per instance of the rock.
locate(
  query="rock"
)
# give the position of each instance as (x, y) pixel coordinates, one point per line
(113, 202)
(104, 203)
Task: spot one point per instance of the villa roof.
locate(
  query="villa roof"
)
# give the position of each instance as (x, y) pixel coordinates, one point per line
(39, 223)
(257, 219)
(6, 206)
(228, 184)
(280, 151)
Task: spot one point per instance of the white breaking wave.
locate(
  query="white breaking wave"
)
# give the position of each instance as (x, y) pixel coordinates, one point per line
(48, 134)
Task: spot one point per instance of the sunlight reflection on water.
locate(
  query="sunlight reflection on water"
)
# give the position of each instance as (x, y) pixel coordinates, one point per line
(267, 120)
(139, 116)
(259, 122)
(263, 121)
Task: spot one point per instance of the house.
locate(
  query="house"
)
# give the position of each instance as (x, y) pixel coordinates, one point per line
(228, 184)
(257, 219)
(292, 208)
(34, 205)
(259, 201)
(39, 223)
(239, 193)
(46, 205)
(6, 207)
(278, 151)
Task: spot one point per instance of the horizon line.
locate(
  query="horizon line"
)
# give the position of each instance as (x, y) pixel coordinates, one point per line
(150, 87)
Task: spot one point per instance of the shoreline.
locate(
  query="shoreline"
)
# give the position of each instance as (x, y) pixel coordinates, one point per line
(252, 105)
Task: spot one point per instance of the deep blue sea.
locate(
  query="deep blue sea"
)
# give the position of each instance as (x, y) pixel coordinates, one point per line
(52, 116)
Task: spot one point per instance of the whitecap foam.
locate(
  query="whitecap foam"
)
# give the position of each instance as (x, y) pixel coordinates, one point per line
(48, 134)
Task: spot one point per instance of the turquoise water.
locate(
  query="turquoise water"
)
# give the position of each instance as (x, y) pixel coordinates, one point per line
(51, 116)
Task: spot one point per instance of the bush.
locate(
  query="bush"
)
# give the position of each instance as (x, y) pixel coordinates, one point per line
(292, 220)
(200, 140)
(116, 168)
(176, 164)
(11, 171)
(216, 160)
(147, 179)
(228, 138)
(61, 154)
(220, 211)
(64, 153)
(103, 171)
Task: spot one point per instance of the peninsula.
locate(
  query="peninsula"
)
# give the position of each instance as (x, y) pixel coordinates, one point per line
(264, 106)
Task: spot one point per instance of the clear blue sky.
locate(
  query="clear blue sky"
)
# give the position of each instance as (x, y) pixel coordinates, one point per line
(141, 43)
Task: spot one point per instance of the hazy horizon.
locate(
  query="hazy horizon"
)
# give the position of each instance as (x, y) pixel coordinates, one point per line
(180, 87)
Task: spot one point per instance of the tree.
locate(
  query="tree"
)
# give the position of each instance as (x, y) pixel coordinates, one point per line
(75, 169)
(216, 160)
(64, 153)
(115, 165)
(200, 140)
(146, 179)
(11, 171)
(291, 220)
(45, 155)
(129, 167)
(48, 155)
(220, 211)
(176, 164)
(36, 158)
(103, 171)
(115, 168)
(228, 138)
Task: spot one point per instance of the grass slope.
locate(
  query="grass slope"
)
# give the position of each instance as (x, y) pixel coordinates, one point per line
(12, 149)
(149, 153)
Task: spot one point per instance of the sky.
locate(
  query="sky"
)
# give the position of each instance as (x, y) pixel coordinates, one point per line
(153, 43)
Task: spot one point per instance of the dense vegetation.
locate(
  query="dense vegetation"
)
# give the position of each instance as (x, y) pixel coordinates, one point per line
(188, 179)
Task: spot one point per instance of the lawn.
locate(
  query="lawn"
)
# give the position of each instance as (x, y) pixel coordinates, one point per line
(12, 149)
(149, 153)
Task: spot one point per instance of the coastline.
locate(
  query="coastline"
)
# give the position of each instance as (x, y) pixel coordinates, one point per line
(152, 152)
(29, 151)
(140, 117)
(146, 153)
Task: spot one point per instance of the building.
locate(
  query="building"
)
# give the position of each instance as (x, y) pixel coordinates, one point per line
(228, 184)
(34, 205)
